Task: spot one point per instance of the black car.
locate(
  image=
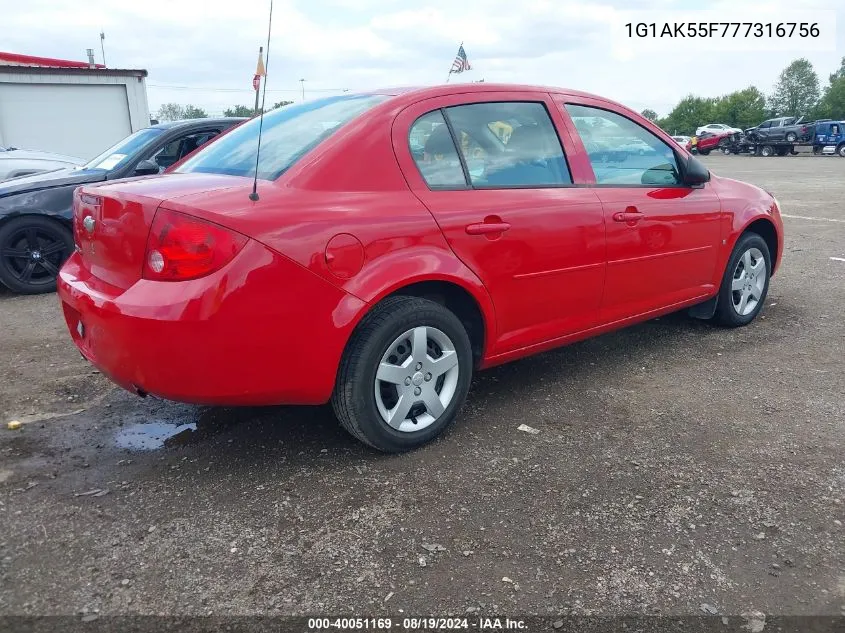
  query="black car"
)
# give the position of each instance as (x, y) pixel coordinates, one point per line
(35, 210)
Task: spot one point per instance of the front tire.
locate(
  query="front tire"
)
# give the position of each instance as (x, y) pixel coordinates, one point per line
(32, 250)
(841, 150)
(791, 137)
(767, 150)
(745, 283)
(404, 375)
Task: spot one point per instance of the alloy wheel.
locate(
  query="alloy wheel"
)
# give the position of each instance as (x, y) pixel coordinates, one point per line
(33, 255)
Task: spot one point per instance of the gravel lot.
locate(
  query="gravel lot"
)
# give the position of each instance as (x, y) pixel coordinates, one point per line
(679, 468)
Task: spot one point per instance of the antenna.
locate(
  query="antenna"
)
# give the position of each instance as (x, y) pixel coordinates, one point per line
(254, 195)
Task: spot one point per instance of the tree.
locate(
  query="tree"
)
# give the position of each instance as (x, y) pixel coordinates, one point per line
(839, 74)
(193, 112)
(691, 113)
(281, 104)
(832, 104)
(651, 115)
(742, 109)
(797, 90)
(238, 110)
(171, 112)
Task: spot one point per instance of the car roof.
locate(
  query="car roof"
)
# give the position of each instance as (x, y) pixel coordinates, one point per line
(187, 123)
(419, 93)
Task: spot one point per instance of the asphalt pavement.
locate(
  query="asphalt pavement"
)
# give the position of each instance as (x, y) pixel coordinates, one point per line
(679, 468)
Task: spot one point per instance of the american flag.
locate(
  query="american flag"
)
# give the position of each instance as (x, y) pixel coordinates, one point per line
(461, 62)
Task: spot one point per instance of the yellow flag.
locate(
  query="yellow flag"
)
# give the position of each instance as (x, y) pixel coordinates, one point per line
(259, 70)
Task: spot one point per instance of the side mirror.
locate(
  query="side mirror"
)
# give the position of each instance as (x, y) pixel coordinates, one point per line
(695, 173)
(147, 168)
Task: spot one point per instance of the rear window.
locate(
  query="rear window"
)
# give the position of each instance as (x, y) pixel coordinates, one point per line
(289, 133)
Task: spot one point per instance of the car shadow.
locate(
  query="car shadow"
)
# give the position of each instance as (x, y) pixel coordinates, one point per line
(298, 434)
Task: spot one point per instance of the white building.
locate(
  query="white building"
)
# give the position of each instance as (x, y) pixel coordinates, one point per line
(72, 108)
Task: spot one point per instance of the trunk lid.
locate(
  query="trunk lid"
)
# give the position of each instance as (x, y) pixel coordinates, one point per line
(111, 223)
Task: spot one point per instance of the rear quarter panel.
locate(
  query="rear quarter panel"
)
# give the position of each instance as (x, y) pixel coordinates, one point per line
(349, 188)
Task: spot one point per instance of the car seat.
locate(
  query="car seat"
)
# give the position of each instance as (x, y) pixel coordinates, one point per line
(532, 160)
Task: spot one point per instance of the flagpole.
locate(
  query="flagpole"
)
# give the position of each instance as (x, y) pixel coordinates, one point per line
(453, 63)
(261, 56)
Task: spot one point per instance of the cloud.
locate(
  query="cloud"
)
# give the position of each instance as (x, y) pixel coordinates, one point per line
(204, 51)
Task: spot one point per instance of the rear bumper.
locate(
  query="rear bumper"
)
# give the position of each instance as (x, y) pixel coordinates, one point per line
(262, 330)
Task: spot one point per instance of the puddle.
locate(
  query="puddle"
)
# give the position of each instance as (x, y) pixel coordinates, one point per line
(149, 436)
(175, 425)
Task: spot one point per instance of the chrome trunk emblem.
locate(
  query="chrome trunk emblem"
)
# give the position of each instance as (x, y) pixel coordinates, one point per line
(88, 223)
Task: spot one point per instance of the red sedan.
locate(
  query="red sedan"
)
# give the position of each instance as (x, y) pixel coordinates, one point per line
(401, 240)
(706, 143)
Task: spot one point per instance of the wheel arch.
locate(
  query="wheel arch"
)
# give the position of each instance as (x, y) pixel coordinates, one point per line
(459, 301)
(61, 219)
(466, 297)
(765, 228)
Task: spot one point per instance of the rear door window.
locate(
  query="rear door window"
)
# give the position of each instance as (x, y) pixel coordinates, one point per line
(509, 144)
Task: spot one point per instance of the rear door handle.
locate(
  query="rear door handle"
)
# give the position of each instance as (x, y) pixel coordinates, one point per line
(485, 228)
(630, 216)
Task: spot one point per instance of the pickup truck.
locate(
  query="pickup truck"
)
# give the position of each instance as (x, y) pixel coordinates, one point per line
(786, 129)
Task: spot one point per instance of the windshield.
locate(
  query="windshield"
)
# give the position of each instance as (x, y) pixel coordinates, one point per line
(289, 132)
(122, 151)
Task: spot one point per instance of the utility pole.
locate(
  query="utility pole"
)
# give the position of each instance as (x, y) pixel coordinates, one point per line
(302, 83)
(103, 45)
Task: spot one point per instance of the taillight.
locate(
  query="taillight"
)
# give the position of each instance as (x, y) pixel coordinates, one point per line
(182, 247)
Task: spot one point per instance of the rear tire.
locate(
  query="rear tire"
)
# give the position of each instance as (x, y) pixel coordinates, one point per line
(767, 150)
(704, 152)
(791, 137)
(32, 250)
(392, 359)
(745, 282)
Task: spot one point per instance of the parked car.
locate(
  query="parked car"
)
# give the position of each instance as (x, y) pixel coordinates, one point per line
(637, 146)
(683, 141)
(716, 128)
(16, 162)
(706, 143)
(787, 129)
(379, 279)
(35, 210)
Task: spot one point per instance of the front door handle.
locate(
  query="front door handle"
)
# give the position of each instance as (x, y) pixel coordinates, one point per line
(486, 228)
(630, 216)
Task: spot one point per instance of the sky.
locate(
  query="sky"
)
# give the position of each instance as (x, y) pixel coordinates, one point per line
(204, 52)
